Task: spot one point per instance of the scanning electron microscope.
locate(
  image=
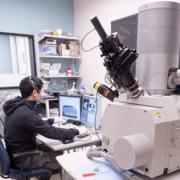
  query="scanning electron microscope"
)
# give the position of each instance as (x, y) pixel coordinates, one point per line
(141, 126)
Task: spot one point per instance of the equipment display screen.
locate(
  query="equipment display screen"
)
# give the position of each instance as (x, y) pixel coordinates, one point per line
(89, 111)
(70, 107)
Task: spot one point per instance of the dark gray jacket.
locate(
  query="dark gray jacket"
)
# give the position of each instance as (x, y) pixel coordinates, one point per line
(23, 123)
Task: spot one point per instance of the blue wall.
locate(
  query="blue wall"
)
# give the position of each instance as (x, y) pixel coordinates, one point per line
(31, 16)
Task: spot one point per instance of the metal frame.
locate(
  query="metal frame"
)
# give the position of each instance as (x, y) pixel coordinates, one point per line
(32, 54)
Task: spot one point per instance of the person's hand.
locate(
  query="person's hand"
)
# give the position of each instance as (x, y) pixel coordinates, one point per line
(70, 136)
(75, 131)
(51, 121)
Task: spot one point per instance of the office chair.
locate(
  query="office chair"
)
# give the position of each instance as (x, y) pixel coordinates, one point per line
(7, 171)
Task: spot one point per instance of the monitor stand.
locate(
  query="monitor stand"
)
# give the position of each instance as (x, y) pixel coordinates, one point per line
(72, 121)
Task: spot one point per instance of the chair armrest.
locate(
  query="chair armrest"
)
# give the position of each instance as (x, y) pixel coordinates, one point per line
(27, 154)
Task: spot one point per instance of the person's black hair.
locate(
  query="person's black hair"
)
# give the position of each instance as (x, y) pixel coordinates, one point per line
(28, 84)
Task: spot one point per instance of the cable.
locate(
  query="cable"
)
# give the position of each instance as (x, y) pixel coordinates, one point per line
(107, 78)
(98, 152)
(87, 50)
(34, 84)
(96, 118)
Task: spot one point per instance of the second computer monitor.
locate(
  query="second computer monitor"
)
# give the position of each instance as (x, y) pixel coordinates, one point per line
(70, 107)
(90, 114)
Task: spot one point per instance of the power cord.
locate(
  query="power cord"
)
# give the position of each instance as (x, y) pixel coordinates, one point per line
(95, 125)
(87, 50)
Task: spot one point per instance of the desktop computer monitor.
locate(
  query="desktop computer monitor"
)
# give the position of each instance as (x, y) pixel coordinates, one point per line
(90, 114)
(70, 107)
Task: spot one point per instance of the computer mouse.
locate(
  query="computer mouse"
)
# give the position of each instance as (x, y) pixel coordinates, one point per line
(68, 141)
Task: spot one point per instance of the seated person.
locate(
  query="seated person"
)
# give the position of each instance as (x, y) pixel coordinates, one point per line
(22, 124)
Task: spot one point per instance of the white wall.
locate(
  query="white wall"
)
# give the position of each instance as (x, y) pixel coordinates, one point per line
(92, 68)
(29, 17)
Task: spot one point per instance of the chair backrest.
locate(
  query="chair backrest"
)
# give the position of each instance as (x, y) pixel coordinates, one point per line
(4, 160)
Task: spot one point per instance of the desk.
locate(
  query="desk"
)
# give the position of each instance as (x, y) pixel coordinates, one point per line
(57, 145)
(76, 164)
(46, 100)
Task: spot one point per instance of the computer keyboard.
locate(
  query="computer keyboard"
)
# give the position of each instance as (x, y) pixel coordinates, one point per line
(83, 130)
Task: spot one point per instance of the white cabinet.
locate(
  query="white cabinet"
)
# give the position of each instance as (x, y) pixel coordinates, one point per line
(59, 61)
